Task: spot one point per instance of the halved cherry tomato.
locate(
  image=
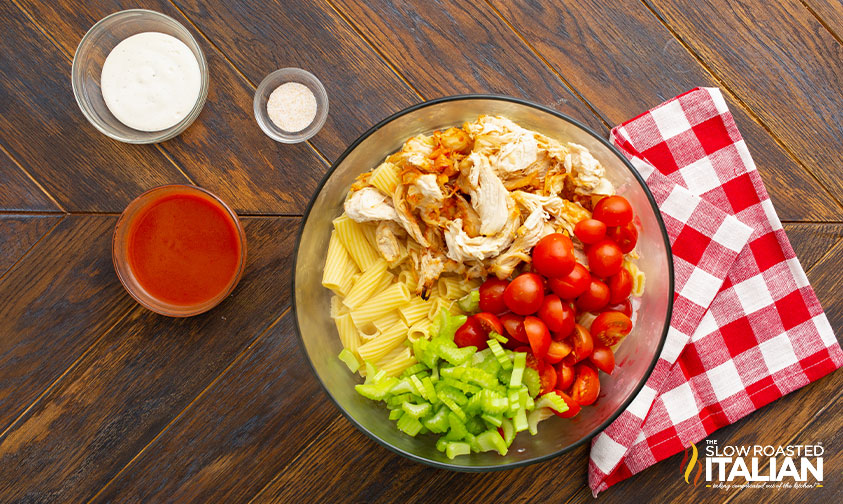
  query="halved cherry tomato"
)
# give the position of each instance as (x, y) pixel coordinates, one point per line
(625, 236)
(491, 296)
(524, 294)
(531, 359)
(548, 378)
(470, 334)
(586, 385)
(564, 375)
(553, 255)
(624, 307)
(604, 258)
(489, 323)
(558, 316)
(613, 211)
(573, 407)
(610, 327)
(595, 297)
(590, 230)
(557, 351)
(603, 358)
(620, 286)
(572, 285)
(514, 326)
(538, 335)
(582, 342)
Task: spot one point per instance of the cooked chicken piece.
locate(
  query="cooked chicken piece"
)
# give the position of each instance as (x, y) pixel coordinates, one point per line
(369, 204)
(488, 195)
(386, 238)
(406, 217)
(430, 268)
(588, 174)
(463, 248)
(565, 213)
(527, 236)
(470, 220)
(516, 155)
(428, 188)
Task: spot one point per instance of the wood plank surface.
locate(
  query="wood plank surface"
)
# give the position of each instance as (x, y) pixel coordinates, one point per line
(829, 13)
(18, 233)
(624, 61)
(137, 378)
(46, 132)
(812, 242)
(461, 47)
(361, 88)
(20, 192)
(279, 408)
(224, 150)
(787, 72)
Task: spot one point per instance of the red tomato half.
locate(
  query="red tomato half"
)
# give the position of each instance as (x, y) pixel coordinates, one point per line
(524, 295)
(514, 326)
(620, 286)
(489, 323)
(605, 258)
(558, 316)
(590, 230)
(625, 236)
(470, 334)
(491, 296)
(582, 342)
(557, 351)
(603, 358)
(610, 327)
(538, 335)
(572, 285)
(573, 407)
(595, 297)
(548, 379)
(613, 211)
(624, 307)
(553, 255)
(564, 375)
(586, 385)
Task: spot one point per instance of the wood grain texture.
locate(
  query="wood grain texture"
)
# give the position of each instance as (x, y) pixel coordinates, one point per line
(361, 88)
(56, 303)
(624, 61)
(224, 150)
(787, 72)
(137, 378)
(44, 129)
(826, 278)
(18, 233)
(811, 242)
(461, 47)
(19, 191)
(253, 421)
(830, 14)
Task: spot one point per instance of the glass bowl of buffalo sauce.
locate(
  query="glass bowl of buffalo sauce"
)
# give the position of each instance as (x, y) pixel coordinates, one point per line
(179, 250)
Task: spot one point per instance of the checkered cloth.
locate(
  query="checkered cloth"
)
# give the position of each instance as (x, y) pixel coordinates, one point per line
(747, 327)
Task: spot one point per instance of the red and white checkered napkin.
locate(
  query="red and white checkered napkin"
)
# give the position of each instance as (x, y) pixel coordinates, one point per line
(747, 327)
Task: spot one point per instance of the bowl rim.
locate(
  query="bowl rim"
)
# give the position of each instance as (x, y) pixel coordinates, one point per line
(605, 142)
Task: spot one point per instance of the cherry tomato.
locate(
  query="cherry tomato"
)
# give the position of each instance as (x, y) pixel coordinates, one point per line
(514, 326)
(605, 258)
(531, 359)
(491, 296)
(573, 407)
(603, 358)
(624, 307)
(625, 236)
(620, 286)
(548, 379)
(572, 285)
(590, 230)
(557, 351)
(553, 255)
(613, 211)
(489, 323)
(524, 295)
(595, 297)
(586, 385)
(564, 375)
(558, 316)
(610, 327)
(582, 342)
(470, 334)
(538, 335)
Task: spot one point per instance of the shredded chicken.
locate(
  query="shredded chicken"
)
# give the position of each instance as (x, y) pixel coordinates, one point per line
(369, 204)
(589, 175)
(386, 237)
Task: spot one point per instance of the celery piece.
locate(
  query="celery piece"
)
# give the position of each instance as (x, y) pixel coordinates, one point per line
(456, 448)
(480, 357)
(453, 406)
(409, 425)
(514, 402)
(452, 394)
(530, 403)
(475, 425)
(536, 416)
(470, 303)
(508, 431)
(553, 401)
(491, 366)
(441, 444)
(450, 324)
(492, 440)
(429, 390)
(424, 430)
(457, 425)
(397, 400)
(472, 407)
(492, 402)
(350, 360)
(434, 373)
(370, 372)
(438, 423)
(402, 387)
(452, 372)
(376, 391)
(461, 385)
(416, 410)
(500, 337)
(500, 354)
(532, 381)
(493, 420)
(519, 363)
(395, 414)
(417, 385)
(415, 368)
(480, 377)
(455, 356)
(520, 420)
(523, 395)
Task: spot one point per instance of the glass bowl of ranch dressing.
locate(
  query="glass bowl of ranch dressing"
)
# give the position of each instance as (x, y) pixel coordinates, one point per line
(139, 76)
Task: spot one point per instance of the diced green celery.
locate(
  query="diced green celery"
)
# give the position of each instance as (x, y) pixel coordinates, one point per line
(396, 401)
(480, 356)
(492, 440)
(370, 372)
(452, 372)
(520, 420)
(504, 375)
(416, 410)
(472, 407)
(537, 416)
(438, 423)
(470, 303)
(513, 401)
(435, 327)
(415, 368)
(530, 403)
(492, 402)
(480, 377)
(409, 425)
(429, 390)
(471, 439)
(532, 381)
(449, 324)
(441, 444)
(461, 385)
(500, 354)
(379, 376)
(518, 365)
(490, 365)
(456, 448)
(523, 397)
(395, 414)
(417, 386)
(434, 374)
(475, 425)
(350, 360)
(500, 337)
(508, 431)
(457, 425)
(452, 394)
(376, 391)
(452, 354)
(493, 420)
(453, 406)
(402, 387)
(553, 401)
(424, 430)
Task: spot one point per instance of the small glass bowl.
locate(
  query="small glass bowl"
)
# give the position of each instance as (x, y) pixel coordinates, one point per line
(120, 251)
(269, 84)
(90, 56)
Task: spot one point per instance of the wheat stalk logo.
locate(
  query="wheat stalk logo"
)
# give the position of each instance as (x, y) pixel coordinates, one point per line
(690, 467)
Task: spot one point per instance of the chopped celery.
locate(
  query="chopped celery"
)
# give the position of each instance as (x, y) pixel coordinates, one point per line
(409, 425)
(480, 377)
(417, 386)
(470, 303)
(500, 337)
(491, 402)
(492, 440)
(458, 430)
(475, 425)
(416, 410)
(395, 414)
(448, 324)
(415, 368)
(500, 354)
(553, 401)
(461, 385)
(514, 402)
(370, 372)
(350, 360)
(532, 381)
(438, 423)
(456, 448)
(452, 394)
(442, 444)
(429, 390)
(376, 391)
(520, 420)
(453, 406)
(536, 416)
(402, 387)
(520, 362)
(493, 420)
(508, 431)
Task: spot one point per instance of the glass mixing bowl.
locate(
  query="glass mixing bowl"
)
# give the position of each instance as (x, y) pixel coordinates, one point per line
(311, 302)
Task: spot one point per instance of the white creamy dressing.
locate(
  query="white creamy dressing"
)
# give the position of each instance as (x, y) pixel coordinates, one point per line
(150, 81)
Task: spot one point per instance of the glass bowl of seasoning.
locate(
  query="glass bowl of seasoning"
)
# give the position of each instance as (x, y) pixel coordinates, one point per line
(291, 105)
(139, 76)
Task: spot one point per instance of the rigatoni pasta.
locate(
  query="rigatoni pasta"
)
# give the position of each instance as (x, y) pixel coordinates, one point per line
(339, 267)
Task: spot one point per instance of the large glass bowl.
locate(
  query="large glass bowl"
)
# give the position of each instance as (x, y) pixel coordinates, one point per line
(311, 302)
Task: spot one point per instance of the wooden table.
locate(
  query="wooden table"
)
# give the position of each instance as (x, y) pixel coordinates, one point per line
(102, 400)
